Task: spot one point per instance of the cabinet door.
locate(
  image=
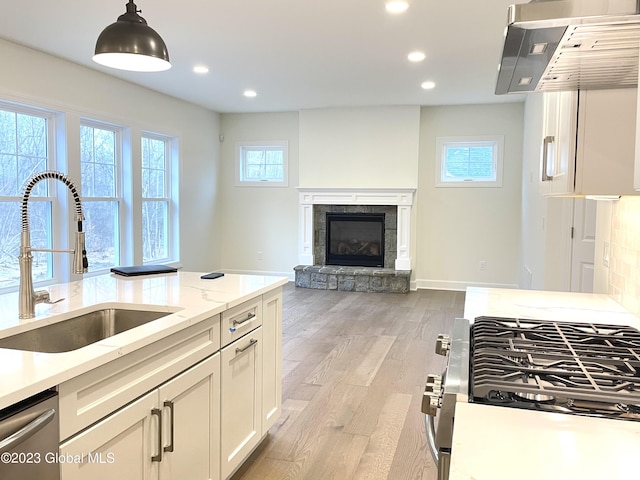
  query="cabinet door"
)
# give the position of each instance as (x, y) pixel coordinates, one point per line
(120, 446)
(563, 166)
(549, 140)
(271, 359)
(191, 423)
(606, 142)
(557, 157)
(241, 400)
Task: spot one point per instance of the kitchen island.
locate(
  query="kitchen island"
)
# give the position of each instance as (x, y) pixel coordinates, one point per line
(502, 443)
(195, 356)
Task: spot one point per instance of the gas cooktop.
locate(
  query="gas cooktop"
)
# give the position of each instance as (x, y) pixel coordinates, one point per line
(579, 368)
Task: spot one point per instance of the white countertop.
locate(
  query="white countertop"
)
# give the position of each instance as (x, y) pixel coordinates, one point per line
(544, 305)
(502, 443)
(189, 298)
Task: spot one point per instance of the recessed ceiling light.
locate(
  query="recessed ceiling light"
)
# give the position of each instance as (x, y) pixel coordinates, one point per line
(201, 69)
(416, 56)
(428, 85)
(250, 93)
(396, 6)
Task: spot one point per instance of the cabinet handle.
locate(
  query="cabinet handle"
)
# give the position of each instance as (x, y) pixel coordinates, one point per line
(250, 316)
(167, 403)
(252, 342)
(545, 157)
(158, 413)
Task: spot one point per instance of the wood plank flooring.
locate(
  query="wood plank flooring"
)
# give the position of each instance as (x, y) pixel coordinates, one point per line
(354, 368)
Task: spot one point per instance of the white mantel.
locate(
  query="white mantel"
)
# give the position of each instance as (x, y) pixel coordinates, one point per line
(400, 197)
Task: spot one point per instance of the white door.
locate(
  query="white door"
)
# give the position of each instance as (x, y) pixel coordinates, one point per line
(583, 245)
(271, 359)
(191, 420)
(241, 399)
(120, 446)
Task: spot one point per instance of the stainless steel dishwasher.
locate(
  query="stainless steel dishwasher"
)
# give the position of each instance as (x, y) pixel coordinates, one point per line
(29, 439)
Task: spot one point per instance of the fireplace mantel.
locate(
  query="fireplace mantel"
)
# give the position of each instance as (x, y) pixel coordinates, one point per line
(402, 198)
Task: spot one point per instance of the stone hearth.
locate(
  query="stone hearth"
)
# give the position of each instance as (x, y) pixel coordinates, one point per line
(353, 279)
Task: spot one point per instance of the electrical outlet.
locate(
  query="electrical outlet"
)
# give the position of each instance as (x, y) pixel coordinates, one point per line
(259, 256)
(607, 254)
(482, 265)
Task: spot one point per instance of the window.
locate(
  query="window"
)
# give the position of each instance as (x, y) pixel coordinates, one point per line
(262, 164)
(156, 198)
(129, 195)
(469, 161)
(99, 165)
(25, 139)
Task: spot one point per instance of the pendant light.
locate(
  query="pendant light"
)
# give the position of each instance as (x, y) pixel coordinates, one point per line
(131, 44)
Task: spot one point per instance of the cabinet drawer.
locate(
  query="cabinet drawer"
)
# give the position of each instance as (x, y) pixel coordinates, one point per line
(91, 396)
(240, 320)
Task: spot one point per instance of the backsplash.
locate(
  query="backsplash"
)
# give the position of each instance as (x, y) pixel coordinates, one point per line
(624, 273)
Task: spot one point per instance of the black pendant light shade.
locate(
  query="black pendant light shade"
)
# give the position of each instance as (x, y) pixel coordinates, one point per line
(131, 44)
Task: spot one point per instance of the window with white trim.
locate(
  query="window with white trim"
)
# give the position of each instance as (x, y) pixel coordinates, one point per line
(26, 137)
(262, 164)
(469, 161)
(101, 197)
(156, 198)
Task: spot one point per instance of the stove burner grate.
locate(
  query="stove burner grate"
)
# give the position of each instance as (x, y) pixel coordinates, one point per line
(544, 362)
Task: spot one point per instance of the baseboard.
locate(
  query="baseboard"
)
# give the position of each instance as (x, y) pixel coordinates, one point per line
(424, 284)
(290, 275)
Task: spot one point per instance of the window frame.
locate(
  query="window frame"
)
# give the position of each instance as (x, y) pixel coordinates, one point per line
(241, 160)
(119, 196)
(496, 141)
(55, 267)
(170, 187)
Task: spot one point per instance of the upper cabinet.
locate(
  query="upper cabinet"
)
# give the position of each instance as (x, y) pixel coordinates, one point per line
(588, 144)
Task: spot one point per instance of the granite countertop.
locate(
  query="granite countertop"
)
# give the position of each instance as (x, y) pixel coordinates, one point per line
(188, 298)
(502, 443)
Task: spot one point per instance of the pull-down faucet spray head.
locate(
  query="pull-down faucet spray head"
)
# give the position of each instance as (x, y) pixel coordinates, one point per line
(28, 298)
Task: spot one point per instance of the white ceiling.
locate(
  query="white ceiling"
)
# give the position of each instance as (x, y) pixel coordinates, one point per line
(294, 54)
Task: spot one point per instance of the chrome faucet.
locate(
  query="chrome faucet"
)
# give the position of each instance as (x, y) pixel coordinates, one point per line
(27, 297)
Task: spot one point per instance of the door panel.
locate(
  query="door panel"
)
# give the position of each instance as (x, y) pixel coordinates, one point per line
(583, 245)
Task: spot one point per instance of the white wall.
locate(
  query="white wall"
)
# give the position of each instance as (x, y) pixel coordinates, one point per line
(38, 79)
(454, 228)
(372, 147)
(459, 227)
(259, 225)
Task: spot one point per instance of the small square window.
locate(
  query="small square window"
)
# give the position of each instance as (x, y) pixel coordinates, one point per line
(263, 164)
(469, 161)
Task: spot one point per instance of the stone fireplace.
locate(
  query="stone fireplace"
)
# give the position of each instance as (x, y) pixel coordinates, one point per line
(349, 269)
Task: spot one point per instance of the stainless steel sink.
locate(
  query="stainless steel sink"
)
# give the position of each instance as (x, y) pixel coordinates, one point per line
(80, 331)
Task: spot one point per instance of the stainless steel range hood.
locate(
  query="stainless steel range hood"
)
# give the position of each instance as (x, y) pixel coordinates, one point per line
(553, 45)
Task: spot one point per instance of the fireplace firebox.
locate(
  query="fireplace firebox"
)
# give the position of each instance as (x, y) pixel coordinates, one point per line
(355, 239)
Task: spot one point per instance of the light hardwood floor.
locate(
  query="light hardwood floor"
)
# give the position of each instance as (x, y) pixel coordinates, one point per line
(354, 368)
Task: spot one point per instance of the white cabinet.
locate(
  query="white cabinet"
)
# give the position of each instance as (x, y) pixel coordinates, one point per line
(588, 142)
(171, 432)
(251, 373)
(241, 402)
(271, 359)
(143, 419)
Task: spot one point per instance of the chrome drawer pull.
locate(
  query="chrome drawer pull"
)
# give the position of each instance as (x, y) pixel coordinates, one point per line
(252, 342)
(158, 413)
(250, 316)
(167, 403)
